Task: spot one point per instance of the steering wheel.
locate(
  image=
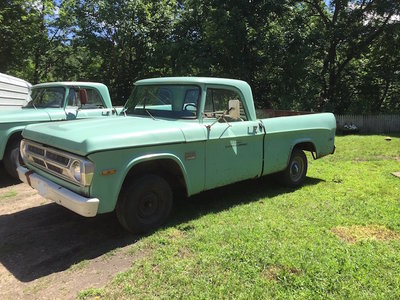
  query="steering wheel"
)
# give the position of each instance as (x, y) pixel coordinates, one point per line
(185, 106)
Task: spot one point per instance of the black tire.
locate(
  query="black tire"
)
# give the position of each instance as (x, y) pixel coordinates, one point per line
(295, 172)
(145, 204)
(12, 158)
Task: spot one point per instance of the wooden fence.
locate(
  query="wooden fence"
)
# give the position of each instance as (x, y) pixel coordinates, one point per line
(370, 123)
(364, 123)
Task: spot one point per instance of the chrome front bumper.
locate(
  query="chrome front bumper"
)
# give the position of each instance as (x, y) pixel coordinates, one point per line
(83, 206)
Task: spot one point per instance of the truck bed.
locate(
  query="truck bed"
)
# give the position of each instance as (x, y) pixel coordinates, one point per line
(284, 133)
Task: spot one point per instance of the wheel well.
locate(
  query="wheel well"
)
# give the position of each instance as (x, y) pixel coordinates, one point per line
(14, 137)
(166, 168)
(306, 146)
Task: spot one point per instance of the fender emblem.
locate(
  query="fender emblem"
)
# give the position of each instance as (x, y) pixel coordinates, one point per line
(190, 155)
(108, 172)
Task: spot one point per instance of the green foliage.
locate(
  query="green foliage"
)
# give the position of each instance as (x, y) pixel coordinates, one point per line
(351, 30)
(299, 55)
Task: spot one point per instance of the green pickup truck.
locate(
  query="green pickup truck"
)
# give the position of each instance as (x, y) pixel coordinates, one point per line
(50, 102)
(181, 134)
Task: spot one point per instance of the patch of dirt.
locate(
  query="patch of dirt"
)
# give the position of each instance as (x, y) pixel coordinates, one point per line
(397, 174)
(378, 157)
(48, 252)
(274, 272)
(360, 160)
(356, 233)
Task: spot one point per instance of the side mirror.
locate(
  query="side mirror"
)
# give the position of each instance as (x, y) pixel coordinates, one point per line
(83, 97)
(234, 109)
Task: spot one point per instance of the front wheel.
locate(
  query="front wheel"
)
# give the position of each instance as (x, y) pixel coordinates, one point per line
(295, 172)
(12, 158)
(144, 204)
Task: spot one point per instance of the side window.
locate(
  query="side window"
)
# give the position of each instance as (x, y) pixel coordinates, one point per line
(94, 99)
(217, 102)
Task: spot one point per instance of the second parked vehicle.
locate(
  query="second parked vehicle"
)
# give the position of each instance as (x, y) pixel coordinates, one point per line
(51, 102)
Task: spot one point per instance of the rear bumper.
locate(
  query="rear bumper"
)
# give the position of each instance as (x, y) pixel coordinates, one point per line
(83, 206)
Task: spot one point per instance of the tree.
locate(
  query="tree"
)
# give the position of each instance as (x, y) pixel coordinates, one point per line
(296, 54)
(350, 29)
(35, 34)
(129, 37)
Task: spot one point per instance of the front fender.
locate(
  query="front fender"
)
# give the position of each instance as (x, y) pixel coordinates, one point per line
(108, 187)
(5, 134)
(157, 156)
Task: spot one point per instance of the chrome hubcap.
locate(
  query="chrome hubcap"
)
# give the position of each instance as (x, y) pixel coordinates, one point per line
(296, 169)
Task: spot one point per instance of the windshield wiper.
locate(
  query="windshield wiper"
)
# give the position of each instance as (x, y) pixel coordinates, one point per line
(150, 114)
(30, 104)
(39, 94)
(124, 111)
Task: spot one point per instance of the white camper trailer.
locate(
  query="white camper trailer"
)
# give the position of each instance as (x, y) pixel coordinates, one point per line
(14, 92)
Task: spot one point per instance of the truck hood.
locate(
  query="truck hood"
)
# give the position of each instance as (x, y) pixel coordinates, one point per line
(21, 115)
(83, 137)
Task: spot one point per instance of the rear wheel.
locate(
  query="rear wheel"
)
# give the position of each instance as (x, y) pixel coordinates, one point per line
(295, 172)
(12, 158)
(144, 204)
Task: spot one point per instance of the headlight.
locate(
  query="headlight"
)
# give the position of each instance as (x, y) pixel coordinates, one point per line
(82, 171)
(75, 169)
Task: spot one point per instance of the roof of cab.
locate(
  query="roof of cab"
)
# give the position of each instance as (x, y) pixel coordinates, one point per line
(193, 80)
(69, 83)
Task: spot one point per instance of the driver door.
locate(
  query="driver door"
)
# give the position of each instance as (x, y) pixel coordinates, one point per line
(233, 147)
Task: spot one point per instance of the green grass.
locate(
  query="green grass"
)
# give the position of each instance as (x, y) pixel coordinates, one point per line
(257, 240)
(91, 294)
(79, 266)
(8, 194)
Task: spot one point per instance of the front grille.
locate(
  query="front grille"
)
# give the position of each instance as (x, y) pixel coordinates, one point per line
(36, 150)
(57, 162)
(50, 160)
(39, 161)
(54, 168)
(57, 158)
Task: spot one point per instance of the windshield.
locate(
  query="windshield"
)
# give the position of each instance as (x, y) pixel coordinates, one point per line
(50, 97)
(168, 101)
